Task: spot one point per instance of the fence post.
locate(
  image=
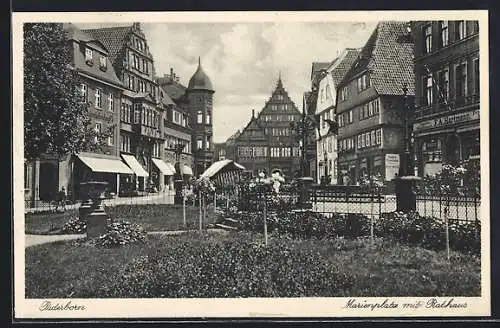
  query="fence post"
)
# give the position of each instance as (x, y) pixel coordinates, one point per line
(215, 202)
(184, 209)
(200, 214)
(446, 213)
(265, 219)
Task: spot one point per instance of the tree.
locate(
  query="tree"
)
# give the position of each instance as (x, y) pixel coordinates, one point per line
(56, 117)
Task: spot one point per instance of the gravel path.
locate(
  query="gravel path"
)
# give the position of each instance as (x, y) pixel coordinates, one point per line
(32, 240)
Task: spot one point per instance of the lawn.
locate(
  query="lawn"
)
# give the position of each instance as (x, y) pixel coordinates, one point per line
(238, 265)
(158, 217)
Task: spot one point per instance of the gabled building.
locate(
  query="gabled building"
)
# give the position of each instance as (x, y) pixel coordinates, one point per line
(143, 106)
(326, 86)
(101, 89)
(447, 82)
(267, 142)
(369, 105)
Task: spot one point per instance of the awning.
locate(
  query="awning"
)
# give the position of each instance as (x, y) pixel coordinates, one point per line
(162, 166)
(187, 170)
(135, 165)
(219, 165)
(107, 165)
(170, 166)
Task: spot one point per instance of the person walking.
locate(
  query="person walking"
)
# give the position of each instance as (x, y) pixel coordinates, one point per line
(61, 199)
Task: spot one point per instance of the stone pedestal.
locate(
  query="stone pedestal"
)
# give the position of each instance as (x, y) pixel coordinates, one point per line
(92, 210)
(304, 184)
(406, 199)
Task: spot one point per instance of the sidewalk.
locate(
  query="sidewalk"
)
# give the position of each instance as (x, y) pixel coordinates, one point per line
(33, 240)
(153, 198)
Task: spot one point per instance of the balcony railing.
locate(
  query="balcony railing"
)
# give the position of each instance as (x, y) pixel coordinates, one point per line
(452, 104)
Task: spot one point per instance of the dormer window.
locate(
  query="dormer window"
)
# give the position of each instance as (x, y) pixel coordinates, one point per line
(103, 63)
(88, 55)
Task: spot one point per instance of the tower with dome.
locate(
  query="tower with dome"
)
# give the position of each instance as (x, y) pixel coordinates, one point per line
(200, 99)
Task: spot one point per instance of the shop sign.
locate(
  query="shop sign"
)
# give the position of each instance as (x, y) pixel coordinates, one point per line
(448, 120)
(391, 166)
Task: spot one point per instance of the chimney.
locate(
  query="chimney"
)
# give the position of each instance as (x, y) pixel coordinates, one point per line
(253, 112)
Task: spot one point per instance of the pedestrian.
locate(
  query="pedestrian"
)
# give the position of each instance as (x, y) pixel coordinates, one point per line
(61, 199)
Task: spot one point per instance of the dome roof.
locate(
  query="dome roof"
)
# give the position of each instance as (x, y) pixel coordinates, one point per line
(200, 80)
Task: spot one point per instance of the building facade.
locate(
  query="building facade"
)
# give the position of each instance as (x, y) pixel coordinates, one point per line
(144, 108)
(370, 102)
(177, 123)
(446, 123)
(326, 142)
(267, 142)
(101, 89)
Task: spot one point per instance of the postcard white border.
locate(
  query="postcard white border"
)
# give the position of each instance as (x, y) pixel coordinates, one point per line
(253, 307)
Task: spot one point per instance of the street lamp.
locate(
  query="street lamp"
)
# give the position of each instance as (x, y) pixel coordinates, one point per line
(405, 196)
(178, 181)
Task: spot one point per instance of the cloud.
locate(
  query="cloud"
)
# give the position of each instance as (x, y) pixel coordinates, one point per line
(243, 60)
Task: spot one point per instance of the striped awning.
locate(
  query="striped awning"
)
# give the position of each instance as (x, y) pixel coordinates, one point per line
(162, 166)
(106, 165)
(134, 164)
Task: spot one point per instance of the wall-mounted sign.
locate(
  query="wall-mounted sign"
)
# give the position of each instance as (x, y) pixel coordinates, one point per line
(448, 120)
(391, 166)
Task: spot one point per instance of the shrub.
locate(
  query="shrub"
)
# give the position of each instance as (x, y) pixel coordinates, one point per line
(306, 224)
(236, 268)
(74, 226)
(429, 232)
(119, 233)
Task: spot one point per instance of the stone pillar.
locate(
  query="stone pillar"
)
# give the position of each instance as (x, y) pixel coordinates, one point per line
(117, 184)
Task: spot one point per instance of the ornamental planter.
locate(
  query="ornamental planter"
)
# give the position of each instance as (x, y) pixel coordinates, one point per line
(92, 210)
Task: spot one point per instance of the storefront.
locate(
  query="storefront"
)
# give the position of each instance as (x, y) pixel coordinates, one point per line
(97, 167)
(446, 140)
(140, 175)
(163, 171)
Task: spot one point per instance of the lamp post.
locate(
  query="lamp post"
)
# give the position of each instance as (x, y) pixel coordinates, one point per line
(178, 181)
(405, 196)
(325, 163)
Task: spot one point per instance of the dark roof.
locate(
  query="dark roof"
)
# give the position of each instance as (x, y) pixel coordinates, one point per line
(233, 137)
(173, 89)
(318, 66)
(74, 34)
(200, 80)
(114, 38)
(388, 57)
(346, 60)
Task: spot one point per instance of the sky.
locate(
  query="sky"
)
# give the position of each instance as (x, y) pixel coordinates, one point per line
(244, 60)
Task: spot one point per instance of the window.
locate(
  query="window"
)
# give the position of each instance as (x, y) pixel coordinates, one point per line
(367, 139)
(207, 143)
(88, 55)
(26, 176)
(137, 114)
(341, 120)
(199, 144)
(327, 92)
(461, 30)
(428, 38)
(461, 80)
(84, 91)
(97, 130)
(375, 106)
(370, 108)
(476, 76)
(444, 33)
(125, 143)
(444, 85)
(286, 152)
(363, 83)
(102, 62)
(343, 94)
(98, 100)
(349, 115)
(372, 138)
(378, 137)
(110, 102)
(360, 144)
(111, 140)
(428, 90)
(207, 118)
(176, 117)
(199, 119)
